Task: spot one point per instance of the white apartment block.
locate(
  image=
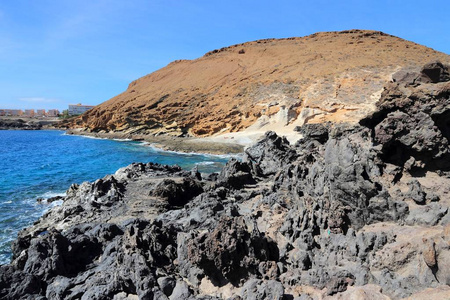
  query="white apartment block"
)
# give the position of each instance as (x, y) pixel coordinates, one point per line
(78, 109)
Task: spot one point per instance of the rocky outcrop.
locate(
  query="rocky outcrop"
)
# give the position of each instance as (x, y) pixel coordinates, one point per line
(412, 122)
(348, 211)
(20, 123)
(261, 85)
(8, 124)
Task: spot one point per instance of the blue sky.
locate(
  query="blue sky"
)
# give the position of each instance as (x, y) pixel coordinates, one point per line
(57, 52)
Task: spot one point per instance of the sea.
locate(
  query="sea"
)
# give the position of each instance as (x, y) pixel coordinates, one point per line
(44, 163)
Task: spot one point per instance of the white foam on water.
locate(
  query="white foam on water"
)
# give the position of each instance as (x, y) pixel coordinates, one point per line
(46, 196)
(51, 194)
(157, 149)
(205, 163)
(98, 138)
(91, 137)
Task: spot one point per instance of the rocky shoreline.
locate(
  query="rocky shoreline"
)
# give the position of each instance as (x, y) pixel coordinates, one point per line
(10, 123)
(348, 212)
(168, 142)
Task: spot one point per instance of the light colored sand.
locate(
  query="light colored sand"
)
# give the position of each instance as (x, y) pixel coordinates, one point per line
(278, 123)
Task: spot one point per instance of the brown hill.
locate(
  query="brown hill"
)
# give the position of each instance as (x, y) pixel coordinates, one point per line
(336, 76)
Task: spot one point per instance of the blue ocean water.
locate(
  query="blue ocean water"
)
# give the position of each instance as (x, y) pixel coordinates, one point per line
(42, 164)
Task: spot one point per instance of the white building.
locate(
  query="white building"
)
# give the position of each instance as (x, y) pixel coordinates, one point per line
(78, 109)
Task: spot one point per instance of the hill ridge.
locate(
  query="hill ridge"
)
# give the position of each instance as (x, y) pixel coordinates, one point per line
(267, 84)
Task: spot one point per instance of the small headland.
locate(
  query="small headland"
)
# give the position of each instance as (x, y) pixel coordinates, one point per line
(27, 123)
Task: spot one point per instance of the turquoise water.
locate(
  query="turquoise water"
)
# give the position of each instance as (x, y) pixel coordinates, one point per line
(35, 164)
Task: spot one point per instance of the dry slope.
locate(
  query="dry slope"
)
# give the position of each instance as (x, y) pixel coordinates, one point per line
(328, 76)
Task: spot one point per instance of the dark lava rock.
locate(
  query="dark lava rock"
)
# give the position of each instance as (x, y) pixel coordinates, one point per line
(412, 122)
(317, 132)
(235, 174)
(435, 72)
(181, 291)
(257, 289)
(346, 205)
(339, 283)
(432, 72)
(415, 192)
(230, 252)
(429, 214)
(178, 193)
(166, 284)
(269, 154)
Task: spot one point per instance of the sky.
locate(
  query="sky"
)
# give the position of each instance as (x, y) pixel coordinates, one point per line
(57, 52)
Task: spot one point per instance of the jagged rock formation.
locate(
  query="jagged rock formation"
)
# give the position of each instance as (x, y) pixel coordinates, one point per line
(329, 76)
(348, 212)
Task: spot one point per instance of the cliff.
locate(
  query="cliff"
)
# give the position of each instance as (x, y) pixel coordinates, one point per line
(351, 211)
(272, 84)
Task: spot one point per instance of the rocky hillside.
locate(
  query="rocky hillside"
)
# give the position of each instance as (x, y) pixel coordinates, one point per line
(351, 211)
(329, 76)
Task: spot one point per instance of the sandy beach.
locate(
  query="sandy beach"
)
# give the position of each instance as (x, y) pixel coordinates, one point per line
(221, 143)
(172, 143)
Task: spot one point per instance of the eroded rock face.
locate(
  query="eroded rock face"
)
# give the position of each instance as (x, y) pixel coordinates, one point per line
(412, 120)
(232, 251)
(348, 210)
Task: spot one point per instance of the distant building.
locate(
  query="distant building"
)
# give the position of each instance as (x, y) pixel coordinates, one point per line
(40, 112)
(29, 112)
(52, 113)
(14, 112)
(2, 112)
(78, 109)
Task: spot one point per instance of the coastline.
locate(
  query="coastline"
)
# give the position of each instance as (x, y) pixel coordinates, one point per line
(169, 143)
(83, 164)
(27, 123)
(334, 216)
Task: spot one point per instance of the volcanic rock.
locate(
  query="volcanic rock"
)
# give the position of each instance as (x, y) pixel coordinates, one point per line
(351, 210)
